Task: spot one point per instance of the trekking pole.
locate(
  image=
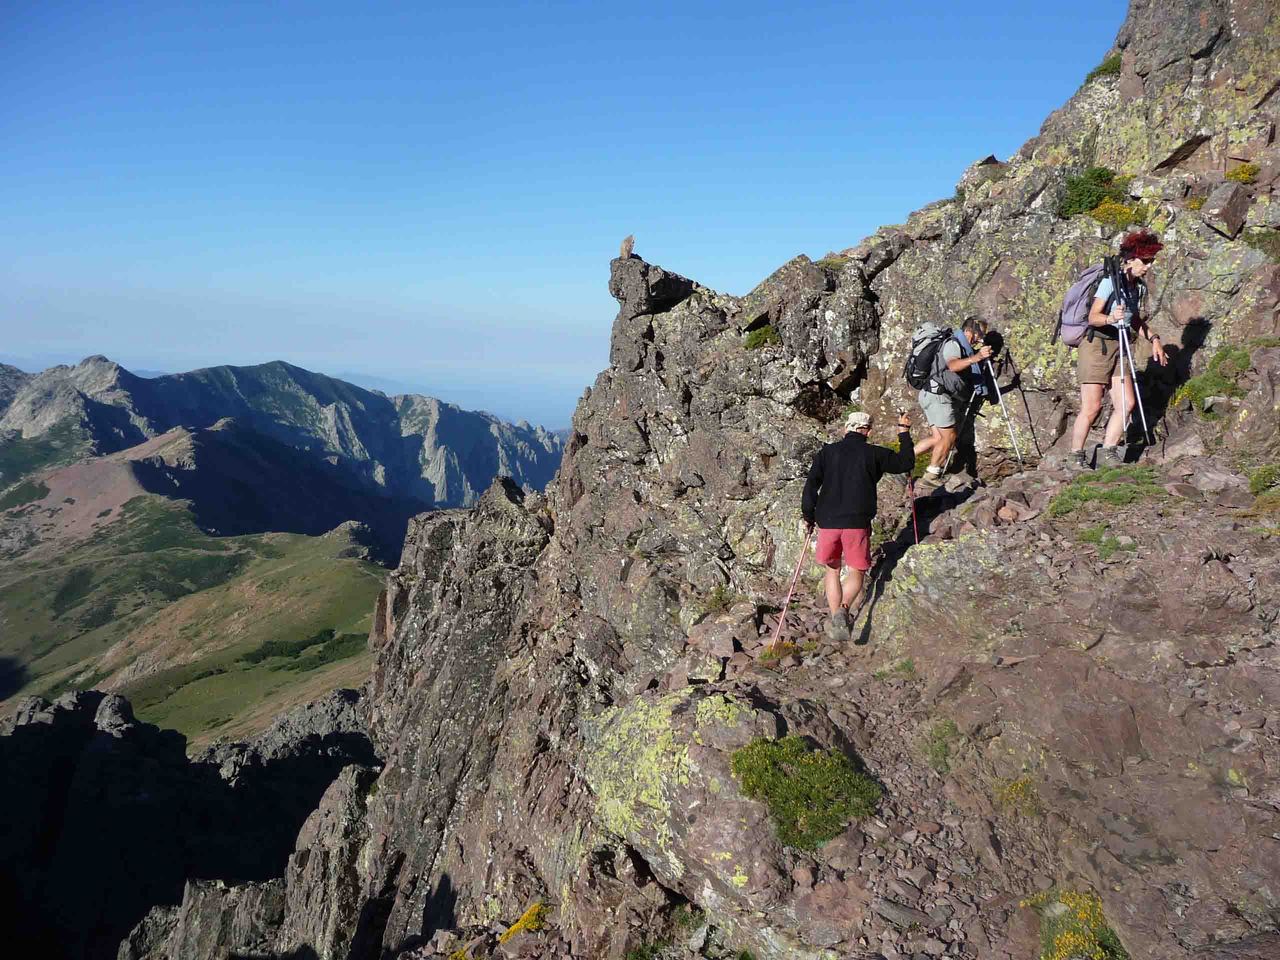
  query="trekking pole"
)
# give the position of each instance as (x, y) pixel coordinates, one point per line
(795, 578)
(1031, 423)
(1005, 410)
(1121, 292)
(1126, 353)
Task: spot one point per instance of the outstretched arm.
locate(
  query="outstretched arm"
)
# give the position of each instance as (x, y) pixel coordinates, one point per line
(905, 458)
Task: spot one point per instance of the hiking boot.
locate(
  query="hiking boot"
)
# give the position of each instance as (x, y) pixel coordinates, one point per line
(929, 482)
(1110, 457)
(1076, 460)
(838, 626)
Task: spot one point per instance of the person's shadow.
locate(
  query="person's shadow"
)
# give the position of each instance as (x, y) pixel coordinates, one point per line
(1160, 384)
(926, 511)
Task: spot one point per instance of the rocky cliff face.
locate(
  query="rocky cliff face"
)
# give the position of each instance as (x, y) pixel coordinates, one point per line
(1100, 747)
(413, 448)
(11, 381)
(106, 817)
(1063, 690)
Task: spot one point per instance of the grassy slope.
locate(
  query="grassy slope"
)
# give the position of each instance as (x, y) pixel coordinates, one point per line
(154, 608)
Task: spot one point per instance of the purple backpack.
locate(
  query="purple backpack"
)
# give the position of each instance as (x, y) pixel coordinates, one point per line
(1073, 321)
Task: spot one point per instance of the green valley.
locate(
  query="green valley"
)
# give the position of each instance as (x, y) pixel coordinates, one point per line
(209, 635)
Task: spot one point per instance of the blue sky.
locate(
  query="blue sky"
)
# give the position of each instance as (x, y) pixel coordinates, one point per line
(430, 194)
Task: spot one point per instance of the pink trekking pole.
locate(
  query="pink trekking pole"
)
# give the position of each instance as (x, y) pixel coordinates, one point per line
(795, 578)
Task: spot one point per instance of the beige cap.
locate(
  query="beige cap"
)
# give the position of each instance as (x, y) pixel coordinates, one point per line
(858, 420)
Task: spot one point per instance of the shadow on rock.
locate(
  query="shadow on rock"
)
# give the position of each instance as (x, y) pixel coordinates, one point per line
(927, 510)
(13, 675)
(106, 817)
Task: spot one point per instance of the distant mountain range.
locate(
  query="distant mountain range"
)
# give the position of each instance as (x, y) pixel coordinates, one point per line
(268, 447)
(202, 541)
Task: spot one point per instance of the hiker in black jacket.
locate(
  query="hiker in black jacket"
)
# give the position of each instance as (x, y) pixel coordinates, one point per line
(840, 496)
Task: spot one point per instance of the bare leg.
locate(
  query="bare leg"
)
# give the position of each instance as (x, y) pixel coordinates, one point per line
(946, 440)
(1122, 401)
(831, 581)
(928, 442)
(1090, 406)
(852, 587)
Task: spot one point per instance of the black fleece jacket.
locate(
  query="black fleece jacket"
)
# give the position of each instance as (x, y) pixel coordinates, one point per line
(840, 493)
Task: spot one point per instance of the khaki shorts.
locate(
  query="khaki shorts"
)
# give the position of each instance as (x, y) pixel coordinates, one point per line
(939, 410)
(1098, 360)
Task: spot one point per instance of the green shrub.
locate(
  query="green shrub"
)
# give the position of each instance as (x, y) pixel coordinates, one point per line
(1116, 487)
(762, 336)
(1072, 925)
(1264, 478)
(1086, 190)
(285, 648)
(1265, 240)
(29, 491)
(1117, 215)
(834, 263)
(1245, 173)
(811, 794)
(719, 600)
(937, 744)
(1018, 796)
(1109, 67)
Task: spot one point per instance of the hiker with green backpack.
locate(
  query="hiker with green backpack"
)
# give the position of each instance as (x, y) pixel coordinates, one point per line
(945, 365)
(1094, 316)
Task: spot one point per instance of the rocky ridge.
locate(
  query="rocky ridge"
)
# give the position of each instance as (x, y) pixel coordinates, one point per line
(1063, 687)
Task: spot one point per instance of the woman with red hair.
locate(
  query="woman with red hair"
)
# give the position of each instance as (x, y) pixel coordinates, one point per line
(1098, 363)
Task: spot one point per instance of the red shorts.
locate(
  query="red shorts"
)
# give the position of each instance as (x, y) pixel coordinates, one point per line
(854, 544)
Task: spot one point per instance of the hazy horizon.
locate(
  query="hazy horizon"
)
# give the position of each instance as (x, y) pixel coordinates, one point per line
(432, 195)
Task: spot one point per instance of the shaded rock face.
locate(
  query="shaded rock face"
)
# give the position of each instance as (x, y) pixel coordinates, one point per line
(241, 481)
(409, 447)
(106, 817)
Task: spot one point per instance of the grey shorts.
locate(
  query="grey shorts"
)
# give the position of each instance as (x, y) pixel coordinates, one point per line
(938, 409)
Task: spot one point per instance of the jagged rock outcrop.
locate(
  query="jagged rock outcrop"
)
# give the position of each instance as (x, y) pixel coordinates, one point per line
(410, 447)
(678, 490)
(106, 817)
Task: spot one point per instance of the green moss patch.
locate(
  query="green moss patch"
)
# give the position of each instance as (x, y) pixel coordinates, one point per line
(1218, 380)
(1072, 925)
(1018, 797)
(942, 736)
(761, 337)
(1107, 545)
(1109, 67)
(1116, 487)
(1265, 240)
(811, 794)
(1117, 215)
(834, 264)
(905, 669)
(1245, 173)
